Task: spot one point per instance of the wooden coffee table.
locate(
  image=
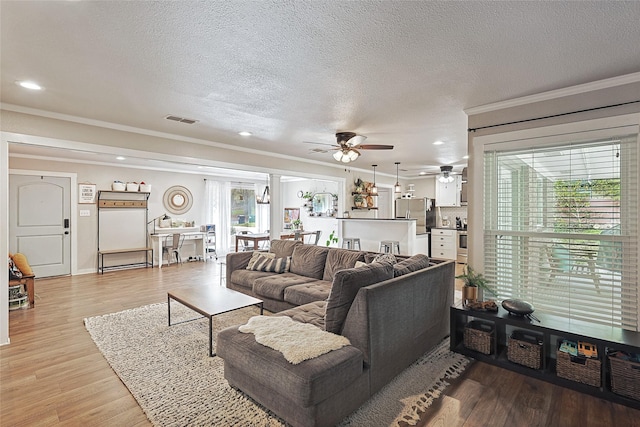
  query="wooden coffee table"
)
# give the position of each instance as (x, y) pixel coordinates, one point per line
(210, 301)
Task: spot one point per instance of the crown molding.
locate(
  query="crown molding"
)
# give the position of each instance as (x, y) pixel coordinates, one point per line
(555, 94)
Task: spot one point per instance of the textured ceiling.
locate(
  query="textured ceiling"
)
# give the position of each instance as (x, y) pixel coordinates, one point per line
(400, 73)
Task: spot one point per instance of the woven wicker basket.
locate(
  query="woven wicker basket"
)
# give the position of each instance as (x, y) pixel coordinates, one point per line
(479, 336)
(625, 377)
(579, 369)
(525, 349)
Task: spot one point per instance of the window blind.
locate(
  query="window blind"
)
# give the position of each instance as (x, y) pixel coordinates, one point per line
(561, 226)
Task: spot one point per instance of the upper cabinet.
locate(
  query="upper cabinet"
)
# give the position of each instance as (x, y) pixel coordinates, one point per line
(448, 193)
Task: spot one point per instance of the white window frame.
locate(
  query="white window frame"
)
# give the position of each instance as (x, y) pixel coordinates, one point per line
(550, 135)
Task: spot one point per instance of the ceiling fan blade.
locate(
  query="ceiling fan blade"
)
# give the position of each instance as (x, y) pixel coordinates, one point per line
(321, 143)
(374, 147)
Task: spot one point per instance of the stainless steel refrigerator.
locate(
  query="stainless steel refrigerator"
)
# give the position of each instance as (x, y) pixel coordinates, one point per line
(423, 210)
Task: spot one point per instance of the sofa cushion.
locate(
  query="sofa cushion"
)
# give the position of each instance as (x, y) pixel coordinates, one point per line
(409, 265)
(265, 263)
(309, 260)
(246, 278)
(312, 312)
(283, 248)
(339, 259)
(317, 290)
(273, 286)
(307, 383)
(346, 284)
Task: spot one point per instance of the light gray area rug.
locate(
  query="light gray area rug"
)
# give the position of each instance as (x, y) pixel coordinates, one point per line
(170, 374)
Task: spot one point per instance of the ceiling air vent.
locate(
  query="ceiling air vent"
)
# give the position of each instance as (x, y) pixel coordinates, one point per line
(181, 119)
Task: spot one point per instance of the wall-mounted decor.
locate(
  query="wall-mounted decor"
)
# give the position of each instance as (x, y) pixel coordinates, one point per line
(86, 193)
(177, 200)
(290, 215)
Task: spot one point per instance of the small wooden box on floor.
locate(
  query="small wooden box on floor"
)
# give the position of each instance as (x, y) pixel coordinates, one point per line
(29, 284)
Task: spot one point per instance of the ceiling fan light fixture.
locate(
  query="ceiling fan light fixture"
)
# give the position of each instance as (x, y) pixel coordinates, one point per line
(353, 155)
(445, 179)
(445, 176)
(398, 187)
(338, 155)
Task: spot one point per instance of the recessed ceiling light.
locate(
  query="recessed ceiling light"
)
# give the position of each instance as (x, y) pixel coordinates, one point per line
(438, 143)
(422, 173)
(465, 157)
(245, 133)
(29, 85)
(121, 158)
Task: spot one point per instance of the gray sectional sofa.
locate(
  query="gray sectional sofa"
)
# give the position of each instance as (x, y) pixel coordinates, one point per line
(391, 314)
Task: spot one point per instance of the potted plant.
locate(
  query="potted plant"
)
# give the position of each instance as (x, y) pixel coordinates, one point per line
(332, 238)
(359, 185)
(296, 223)
(358, 199)
(473, 281)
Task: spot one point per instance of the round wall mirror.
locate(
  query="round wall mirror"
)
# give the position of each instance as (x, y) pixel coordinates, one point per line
(177, 200)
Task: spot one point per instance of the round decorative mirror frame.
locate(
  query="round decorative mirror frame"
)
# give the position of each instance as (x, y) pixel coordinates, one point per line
(177, 200)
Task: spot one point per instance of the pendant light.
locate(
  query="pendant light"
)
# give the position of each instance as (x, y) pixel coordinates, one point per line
(398, 187)
(374, 189)
(266, 197)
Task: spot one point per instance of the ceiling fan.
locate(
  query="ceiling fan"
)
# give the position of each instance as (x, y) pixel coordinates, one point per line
(349, 144)
(445, 175)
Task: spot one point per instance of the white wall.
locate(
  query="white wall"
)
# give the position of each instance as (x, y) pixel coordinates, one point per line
(291, 200)
(103, 176)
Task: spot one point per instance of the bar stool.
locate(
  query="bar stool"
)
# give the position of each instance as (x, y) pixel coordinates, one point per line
(390, 246)
(350, 242)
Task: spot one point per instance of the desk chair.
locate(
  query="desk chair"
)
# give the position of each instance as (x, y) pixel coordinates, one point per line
(172, 246)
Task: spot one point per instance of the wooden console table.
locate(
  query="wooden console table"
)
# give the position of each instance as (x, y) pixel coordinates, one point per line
(552, 330)
(29, 283)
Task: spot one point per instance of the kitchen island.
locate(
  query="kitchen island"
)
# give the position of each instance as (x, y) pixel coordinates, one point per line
(373, 230)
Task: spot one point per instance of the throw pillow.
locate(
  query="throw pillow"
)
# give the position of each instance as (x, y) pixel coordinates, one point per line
(409, 265)
(272, 265)
(21, 262)
(257, 255)
(345, 287)
(390, 258)
(359, 264)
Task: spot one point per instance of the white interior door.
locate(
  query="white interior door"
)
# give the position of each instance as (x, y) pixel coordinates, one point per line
(39, 222)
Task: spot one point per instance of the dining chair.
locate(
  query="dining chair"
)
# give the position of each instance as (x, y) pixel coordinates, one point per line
(315, 237)
(245, 245)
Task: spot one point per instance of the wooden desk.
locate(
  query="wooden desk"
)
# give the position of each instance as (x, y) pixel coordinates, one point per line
(255, 238)
(198, 237)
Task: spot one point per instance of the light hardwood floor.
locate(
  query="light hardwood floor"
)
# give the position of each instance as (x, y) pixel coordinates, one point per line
(53, 374)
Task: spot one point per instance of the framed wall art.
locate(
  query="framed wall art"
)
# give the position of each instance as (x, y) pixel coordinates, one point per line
(86, 193)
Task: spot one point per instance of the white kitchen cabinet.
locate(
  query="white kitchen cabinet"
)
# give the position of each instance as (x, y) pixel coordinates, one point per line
(443, 243)
(448, 193)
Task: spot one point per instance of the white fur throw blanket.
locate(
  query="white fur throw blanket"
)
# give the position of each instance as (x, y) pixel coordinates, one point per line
(296, 341)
